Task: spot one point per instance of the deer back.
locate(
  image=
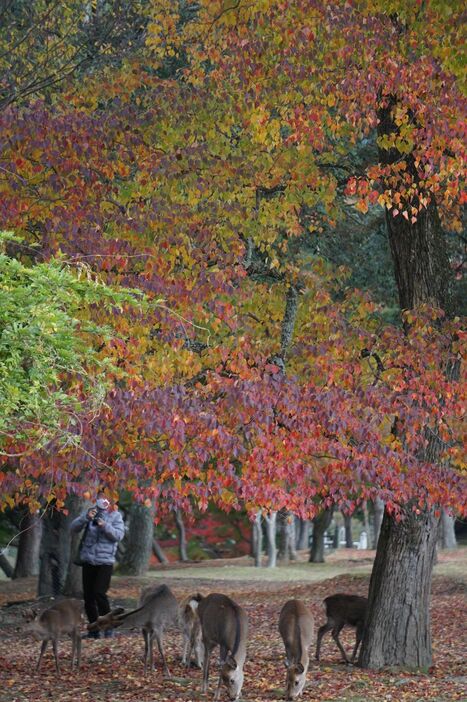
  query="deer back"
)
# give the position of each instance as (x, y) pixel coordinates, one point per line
(350, 609)
(296, 626)
(158, 607)
(63, 617)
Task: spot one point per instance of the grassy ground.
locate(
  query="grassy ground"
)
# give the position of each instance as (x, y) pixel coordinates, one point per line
(112, 669)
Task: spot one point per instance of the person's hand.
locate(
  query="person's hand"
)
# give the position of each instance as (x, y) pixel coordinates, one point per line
(100, 522)
(92, 513)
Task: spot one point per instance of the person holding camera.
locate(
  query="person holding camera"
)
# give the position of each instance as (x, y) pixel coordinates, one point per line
(103, 529)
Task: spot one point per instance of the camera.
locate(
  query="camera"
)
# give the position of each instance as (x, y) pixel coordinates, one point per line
(99, 515)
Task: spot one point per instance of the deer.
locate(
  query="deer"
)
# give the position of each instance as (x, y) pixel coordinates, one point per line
(157, 609)
(191, 628)
(296, 627)
(225, 624)
(343, 609)
(63, 617)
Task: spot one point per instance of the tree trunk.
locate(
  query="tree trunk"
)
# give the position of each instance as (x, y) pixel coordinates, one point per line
(398, 624)
(320, 523)
(271, 550)
(181, 536)
(54, 553)
(6, 566)
(73, 586)
(447, 535)
(27, 559)
(348, 530)
(257, 540)
(302, 531)
(138, 540)
(287, 551)
(378, 506)
(158, 552)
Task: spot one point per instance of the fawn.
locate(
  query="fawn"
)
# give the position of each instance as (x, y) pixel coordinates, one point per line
(341, 610)
(296, 626)
(191, 629)
(157, 609)
(63, 617)
(224, 624)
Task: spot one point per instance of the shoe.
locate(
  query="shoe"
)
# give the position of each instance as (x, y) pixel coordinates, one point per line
(93, 635)
(108, 634)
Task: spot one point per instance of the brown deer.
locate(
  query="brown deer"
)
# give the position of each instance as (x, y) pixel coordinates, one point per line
(157, 609)
(341, 610)
(296, 626)
(63, 617)
(224, 624)
(191, 629)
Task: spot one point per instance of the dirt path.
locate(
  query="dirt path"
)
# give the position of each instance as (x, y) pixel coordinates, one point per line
(112, 669)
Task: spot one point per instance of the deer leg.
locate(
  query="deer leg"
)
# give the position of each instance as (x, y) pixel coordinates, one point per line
(358, 640)
(78, 650)
(41, 654)
(321, 631)
(55, 649)
(186, 650)
(207, 656)
(158, 635)
(335, 636)
(73, 648)
(146, 649)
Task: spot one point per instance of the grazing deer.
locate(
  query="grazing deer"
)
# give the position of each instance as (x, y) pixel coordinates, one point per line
(63, 617)
(157, 609)
(191, 629)
(224, 624)
(296, 626)
(341, 610)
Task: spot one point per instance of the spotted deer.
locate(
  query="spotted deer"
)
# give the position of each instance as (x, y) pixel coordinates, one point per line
(224, 624)
(191, 630)
(296, 626)
(343, 609)
(157, 610)
(63, 617)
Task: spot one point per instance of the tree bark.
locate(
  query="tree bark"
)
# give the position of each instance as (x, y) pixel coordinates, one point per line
(6, 566)
(397, 631)
(138, 540)
(447, 535)
(182, 547)
(27, 559)
(159, 552)
(54, 553)
(348, 530)
(320, 523)
(302, 531)
(257, 540)
(287, 551)
(271, 549)
(73, 586)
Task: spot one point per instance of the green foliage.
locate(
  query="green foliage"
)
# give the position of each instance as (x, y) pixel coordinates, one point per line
(51, 368)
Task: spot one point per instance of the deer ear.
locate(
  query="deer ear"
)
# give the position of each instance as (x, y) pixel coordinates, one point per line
(231, 662)
(300, 668)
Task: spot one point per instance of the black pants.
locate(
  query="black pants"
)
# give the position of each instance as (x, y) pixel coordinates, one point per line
(96, 582)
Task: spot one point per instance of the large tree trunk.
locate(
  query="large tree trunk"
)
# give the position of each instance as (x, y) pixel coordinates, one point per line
(257, 539)
(348, 530)
(138, 540)
(398, 624)
(54, 553)
(378, 506)
(73, 586)
(27, 559)
(447, 535)
(398, 631)
(287, 551)
(271, 549)
(6, 566)
(320, 523)
(182, 548)
(302, 532)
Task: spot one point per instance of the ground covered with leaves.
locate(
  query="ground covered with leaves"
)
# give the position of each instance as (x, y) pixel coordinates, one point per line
(112, 669)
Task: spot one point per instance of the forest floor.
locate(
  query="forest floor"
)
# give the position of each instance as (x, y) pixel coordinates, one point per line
(112, 669)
